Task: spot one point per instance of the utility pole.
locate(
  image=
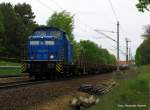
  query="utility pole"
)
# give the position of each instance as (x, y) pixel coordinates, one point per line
(118, 69)
(127, 50)
(130, 56)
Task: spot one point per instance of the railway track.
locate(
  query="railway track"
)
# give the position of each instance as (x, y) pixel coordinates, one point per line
(11, 85)
(7, 76)
(30, 82)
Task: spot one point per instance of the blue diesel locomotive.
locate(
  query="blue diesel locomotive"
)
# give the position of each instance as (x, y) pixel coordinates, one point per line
(49, 53)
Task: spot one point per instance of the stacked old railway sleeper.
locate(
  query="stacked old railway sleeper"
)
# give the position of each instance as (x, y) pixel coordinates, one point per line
(98, 89)
(94, 90)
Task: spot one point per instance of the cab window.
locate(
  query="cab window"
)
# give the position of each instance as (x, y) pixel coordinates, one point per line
(34, 42)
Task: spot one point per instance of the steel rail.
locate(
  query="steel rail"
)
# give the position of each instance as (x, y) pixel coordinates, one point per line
(13, 85)
(12, 75)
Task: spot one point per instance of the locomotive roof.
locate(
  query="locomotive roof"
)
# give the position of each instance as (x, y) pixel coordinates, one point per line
(47, 28)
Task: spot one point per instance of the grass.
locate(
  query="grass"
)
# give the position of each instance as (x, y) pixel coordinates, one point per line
(8, 71)
(130, 92)
(8, 63)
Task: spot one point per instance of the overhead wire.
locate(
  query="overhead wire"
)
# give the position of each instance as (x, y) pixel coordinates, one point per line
(86, 25)
(105, 35)
(57, 4)
(45, 5)
(116, 17)
(113, 10)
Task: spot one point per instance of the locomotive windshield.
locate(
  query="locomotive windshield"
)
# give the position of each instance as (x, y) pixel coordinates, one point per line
(34, 42)
(42, 42)
(42, 33)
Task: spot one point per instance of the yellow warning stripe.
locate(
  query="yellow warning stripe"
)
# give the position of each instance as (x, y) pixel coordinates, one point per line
(23, 67)
(58, 70)
(59, 67)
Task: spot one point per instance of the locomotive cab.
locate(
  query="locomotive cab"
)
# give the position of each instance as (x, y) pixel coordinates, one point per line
(43, 45)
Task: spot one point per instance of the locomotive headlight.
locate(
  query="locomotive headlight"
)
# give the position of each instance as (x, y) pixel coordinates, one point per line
(51, 56)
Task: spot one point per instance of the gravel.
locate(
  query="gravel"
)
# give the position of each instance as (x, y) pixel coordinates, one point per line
(25, 98)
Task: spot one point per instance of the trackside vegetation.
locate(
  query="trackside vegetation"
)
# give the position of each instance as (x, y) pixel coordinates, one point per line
(8, 63)
(143, 52)
(91, 53)
(5, 71)
(143, 5)
(131, 93)
(16, 24)
(10, 71)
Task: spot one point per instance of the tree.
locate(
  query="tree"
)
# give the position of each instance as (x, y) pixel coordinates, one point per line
(2, 30)
(24, 12)
(90, 53)
(18, 25)
(138, 57)
(143, 53)
(64, 21)
(14, 29)
(143, 5)
(76, 50)
(1, 24)
(146, 34)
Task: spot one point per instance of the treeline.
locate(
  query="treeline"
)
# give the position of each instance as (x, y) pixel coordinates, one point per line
(142, 56)
(17, 23)
(143, 52)
(91, 53)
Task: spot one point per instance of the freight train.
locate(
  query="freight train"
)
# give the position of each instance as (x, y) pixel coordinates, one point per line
(49, 54)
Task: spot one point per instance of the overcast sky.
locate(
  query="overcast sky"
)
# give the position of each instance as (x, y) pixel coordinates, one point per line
(96, 14)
